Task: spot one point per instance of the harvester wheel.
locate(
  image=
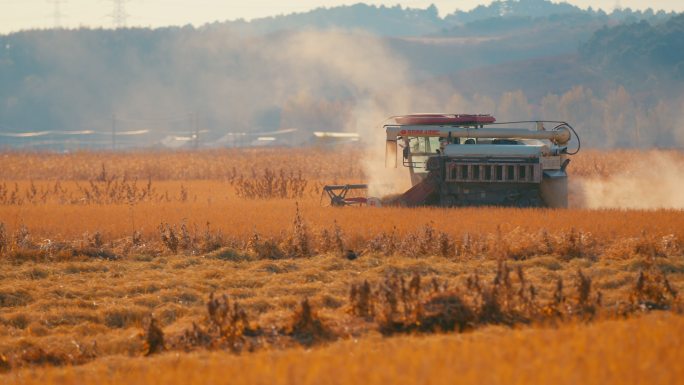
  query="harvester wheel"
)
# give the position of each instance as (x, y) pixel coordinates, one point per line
(524, 202)
(529, 199)
(447, 201)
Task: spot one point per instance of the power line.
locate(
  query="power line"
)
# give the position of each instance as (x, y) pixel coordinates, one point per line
(57, 12)
(113, 132)
(119, 15)
(195, 128)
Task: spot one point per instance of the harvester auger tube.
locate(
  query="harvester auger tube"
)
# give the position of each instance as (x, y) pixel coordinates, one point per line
(470, 160)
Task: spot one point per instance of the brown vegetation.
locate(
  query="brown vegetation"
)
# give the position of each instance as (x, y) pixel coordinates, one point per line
(94, 264)
(635, 351)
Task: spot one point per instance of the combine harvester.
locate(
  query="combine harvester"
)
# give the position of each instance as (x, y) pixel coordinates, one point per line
(470, 160)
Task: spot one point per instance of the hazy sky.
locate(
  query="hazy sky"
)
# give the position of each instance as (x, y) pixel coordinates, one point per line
(25, 14)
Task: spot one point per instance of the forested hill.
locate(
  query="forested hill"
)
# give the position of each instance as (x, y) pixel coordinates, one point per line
(335, 69)
(398, 21)
(640, 53)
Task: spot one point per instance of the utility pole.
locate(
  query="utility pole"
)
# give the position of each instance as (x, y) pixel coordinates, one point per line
(57, 12)
(119, 15)
(196, 129)
(114, 132)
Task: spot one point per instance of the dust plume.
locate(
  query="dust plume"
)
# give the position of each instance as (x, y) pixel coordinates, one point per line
(380, 85)
(382, 181)
(653, 181)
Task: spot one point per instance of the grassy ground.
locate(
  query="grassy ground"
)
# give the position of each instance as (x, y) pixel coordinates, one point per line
(88, 258)
(98, 307)
(644, 350)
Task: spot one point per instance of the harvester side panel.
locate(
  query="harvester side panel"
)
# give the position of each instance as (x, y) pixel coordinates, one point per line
(493, 172)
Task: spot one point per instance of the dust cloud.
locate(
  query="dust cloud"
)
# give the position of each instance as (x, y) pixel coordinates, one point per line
(381, 85)
(655, 181)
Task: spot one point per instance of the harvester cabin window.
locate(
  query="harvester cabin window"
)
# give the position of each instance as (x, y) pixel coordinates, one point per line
(421, 149)
(424, 144)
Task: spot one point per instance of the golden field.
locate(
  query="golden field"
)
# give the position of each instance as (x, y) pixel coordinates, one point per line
(93, 246)
(598, 353)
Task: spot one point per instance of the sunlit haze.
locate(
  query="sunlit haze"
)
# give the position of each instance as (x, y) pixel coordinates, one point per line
(30, 14)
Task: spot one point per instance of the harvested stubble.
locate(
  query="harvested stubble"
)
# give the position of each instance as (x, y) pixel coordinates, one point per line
(72, 312)
(636, 351)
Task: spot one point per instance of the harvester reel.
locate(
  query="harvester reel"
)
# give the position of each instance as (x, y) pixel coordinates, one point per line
(338, 195)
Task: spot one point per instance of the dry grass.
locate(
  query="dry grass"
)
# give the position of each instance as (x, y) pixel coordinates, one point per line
(95, 266)
(73, 312)
(460, 233)
(315, 164)
(646, 350)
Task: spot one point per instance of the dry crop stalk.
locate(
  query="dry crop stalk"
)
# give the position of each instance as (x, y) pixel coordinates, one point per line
(307, 327)
(154, 337)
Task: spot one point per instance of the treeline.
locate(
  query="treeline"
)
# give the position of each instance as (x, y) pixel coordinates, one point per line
(399, 21)
(640, 53)
(546, 9)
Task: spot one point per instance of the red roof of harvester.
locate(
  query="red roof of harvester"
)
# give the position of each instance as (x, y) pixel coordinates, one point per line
(443, 119)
